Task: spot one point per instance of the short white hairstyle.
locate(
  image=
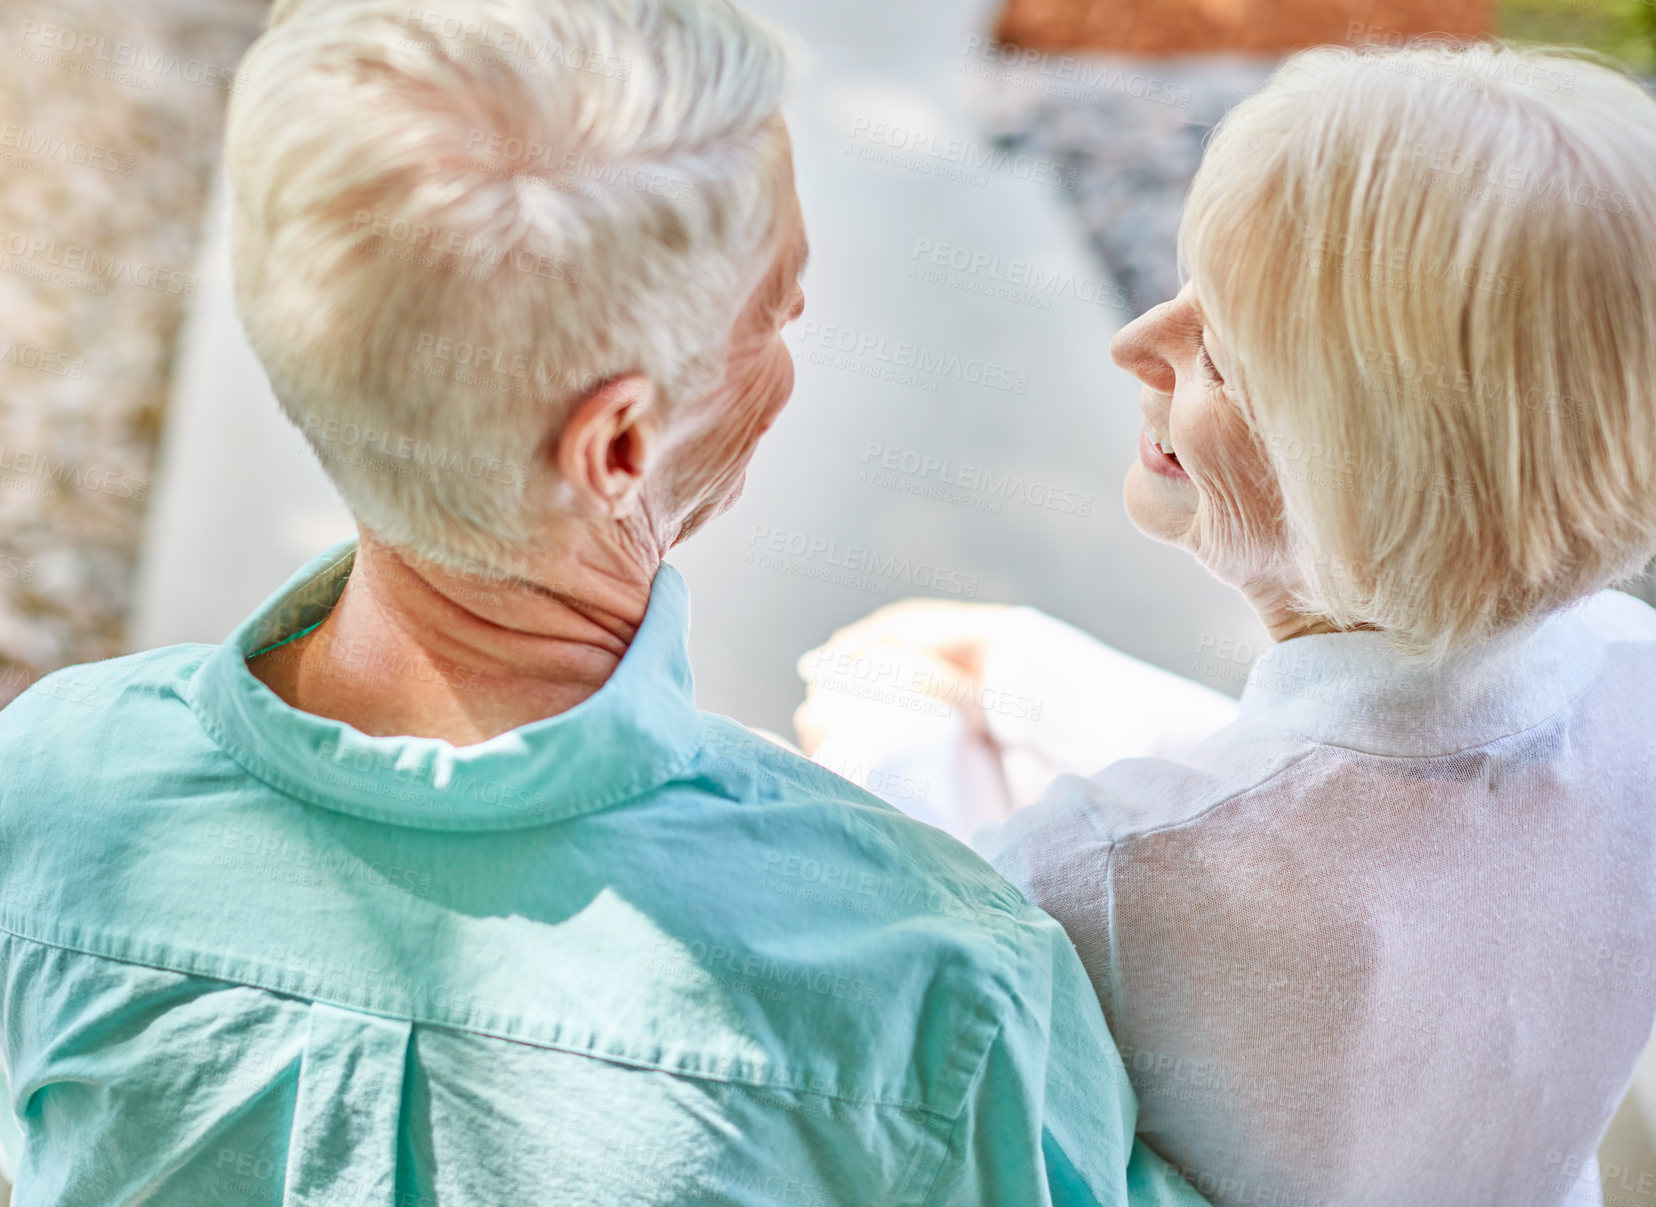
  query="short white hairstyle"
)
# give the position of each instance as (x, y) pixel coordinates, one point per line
(1435, 272)
(452, 220)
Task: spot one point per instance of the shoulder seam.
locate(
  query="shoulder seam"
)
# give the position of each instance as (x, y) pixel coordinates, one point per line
(1114, 840)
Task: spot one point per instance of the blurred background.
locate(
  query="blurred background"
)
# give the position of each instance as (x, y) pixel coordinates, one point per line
(996, 182)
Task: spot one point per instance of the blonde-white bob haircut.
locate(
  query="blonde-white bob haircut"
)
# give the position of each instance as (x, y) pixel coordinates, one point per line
(1434, 269)
(452, 220)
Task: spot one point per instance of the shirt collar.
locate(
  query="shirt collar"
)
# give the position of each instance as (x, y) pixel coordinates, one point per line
(1354, 689)
(635, 733)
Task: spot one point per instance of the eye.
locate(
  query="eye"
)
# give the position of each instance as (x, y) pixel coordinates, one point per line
(1208, 366)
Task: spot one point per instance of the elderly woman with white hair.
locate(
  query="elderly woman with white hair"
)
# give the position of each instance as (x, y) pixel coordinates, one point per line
(1389, 936)
(430, 884)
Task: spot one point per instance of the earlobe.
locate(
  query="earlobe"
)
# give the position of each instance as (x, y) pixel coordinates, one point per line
(607, 445)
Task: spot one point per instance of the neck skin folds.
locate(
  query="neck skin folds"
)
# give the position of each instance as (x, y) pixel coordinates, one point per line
(1272, 601)
(1284, 624)
(411, 649)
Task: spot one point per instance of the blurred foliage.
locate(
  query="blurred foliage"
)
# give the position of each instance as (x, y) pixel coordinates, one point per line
(1623, 28)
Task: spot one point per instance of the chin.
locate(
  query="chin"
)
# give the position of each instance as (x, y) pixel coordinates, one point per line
(1150, 509)
(711, 510)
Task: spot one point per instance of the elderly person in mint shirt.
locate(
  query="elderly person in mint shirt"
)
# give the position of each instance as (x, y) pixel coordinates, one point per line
(430, 887)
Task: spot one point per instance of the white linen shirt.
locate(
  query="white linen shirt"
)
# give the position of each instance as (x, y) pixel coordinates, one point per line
(1390, 937)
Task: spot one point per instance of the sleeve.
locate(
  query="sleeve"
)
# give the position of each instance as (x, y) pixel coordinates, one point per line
(1056, 856)
(1050, 1119)
(11, 1136)
(11, 1139)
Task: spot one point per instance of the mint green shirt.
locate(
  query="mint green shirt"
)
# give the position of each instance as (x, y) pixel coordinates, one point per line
(630, 954)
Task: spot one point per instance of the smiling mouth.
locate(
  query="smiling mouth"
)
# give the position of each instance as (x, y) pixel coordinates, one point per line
(1158, 455)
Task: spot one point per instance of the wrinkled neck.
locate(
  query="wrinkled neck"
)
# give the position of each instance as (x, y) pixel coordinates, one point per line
(412, 649)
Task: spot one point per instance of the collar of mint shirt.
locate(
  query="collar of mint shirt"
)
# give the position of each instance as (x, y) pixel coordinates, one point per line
(643, 723)
(1354, 689)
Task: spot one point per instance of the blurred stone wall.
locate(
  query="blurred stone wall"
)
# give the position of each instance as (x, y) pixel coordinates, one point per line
(1129, 145)
(1163, 27)
(111, 114)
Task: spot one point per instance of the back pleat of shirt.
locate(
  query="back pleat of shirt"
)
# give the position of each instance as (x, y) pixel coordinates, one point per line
(349, 1105)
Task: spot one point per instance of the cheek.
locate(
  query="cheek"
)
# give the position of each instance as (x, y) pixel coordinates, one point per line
(776, 381)
(1241, 502)
(759, 383)
(755, 391)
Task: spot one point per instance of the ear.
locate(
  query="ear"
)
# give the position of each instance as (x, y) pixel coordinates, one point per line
(608, 445)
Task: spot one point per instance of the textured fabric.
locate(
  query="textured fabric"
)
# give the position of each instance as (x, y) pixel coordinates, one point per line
(11, 1137)
(631, 954)
(1042, 701)
(1390, 937)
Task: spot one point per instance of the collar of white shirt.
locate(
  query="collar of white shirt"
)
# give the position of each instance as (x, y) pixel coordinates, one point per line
(1355, 689)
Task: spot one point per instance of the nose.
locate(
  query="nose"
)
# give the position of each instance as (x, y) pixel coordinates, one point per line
(1142, 346)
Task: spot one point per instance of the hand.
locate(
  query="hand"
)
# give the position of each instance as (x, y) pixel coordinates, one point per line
(929, 647)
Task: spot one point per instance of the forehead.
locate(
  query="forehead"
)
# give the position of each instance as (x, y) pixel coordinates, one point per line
(791, 250)
(796, 246)
(776, 288)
